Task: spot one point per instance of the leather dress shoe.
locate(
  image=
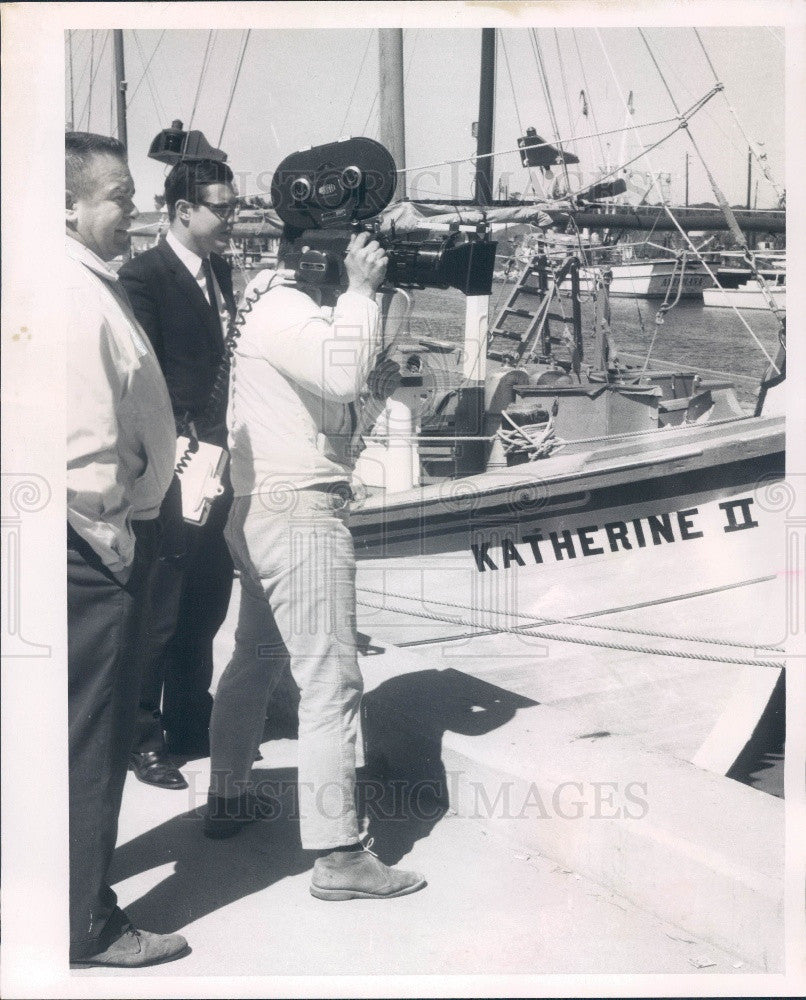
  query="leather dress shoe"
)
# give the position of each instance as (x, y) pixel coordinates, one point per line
(154, 768)
(135, 949)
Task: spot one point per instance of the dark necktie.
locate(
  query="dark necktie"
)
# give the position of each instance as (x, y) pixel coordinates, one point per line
(207, 270)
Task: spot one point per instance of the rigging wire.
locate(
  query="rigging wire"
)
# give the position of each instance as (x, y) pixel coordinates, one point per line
(590, 97)
(72, 89)
(202, 71)
(147, 66)
(550, 105)
(545, 98)
(571, 122)
(512, 85)
(83, 39)
(112, 89)
(92, 80)
(411, 56)
(697, 106)
(158, 108)
(577, 233)
(685, 88)
(83, 73)
(88, 103)
(727, 211)
(574, 138)
(529, 169)
(681, 120)
(750, 144)
(234, 86)
(377, 94)
(357, 79)
(369, 115)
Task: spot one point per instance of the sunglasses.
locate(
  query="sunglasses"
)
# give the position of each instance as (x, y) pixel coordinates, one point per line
(223, 211)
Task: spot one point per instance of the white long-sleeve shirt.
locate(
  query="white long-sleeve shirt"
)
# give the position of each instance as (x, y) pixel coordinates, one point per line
(296, 369)
(121, 440)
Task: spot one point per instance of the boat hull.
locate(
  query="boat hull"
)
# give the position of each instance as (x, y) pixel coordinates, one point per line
(743, 298)
(662, 515)
(649, 279)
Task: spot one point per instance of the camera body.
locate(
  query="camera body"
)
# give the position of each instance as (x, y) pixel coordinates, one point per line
(326, 194)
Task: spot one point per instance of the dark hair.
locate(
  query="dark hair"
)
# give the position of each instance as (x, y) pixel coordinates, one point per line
(80, 148)
(187, 176)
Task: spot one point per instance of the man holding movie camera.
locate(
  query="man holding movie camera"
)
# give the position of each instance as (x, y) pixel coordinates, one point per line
(297, 370)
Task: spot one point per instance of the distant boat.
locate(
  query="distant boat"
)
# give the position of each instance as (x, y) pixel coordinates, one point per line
(661, 277)
(746, 296)
(653, 279)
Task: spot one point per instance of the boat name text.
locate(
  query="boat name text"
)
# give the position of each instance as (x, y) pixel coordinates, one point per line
(656, 529)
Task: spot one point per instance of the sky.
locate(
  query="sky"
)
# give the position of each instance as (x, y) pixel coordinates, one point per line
(302, 87)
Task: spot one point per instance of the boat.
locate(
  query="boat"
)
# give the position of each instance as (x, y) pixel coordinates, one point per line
(537, 492)
(545, 527)
(732, 269)
(675, 275)
(747, 295)
(736, 287)
(513, 484)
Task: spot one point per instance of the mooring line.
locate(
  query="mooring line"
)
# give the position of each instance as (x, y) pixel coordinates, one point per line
(542, 621)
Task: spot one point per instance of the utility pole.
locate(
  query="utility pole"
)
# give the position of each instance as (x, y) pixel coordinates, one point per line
(392, 118)
(120, 86)
(484, 142)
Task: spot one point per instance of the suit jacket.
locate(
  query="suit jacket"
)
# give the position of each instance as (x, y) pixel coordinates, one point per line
(183, 327)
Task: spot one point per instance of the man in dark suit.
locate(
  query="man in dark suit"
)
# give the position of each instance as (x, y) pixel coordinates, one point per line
(182, 295)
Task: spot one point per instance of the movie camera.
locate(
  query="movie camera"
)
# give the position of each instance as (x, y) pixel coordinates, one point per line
(327, 193)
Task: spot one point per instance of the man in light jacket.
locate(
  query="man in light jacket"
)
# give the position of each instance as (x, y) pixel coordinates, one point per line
(297, 370)
(120, 456)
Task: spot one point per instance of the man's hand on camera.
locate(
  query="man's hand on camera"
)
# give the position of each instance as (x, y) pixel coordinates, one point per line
(366, 264)
(384, 379)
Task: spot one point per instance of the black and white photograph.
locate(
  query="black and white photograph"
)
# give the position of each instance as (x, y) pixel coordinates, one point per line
(404, 547)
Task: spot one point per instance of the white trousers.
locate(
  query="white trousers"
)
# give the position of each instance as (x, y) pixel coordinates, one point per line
(297, 565)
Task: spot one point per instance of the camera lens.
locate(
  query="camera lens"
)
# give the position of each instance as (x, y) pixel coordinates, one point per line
(301, 189)
(351, 177)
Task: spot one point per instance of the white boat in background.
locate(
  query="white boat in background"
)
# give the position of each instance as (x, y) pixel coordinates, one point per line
(652, 279)
(630, 275)
(747, 296)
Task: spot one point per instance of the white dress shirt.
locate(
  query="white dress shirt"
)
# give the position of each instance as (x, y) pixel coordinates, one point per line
(194, 263)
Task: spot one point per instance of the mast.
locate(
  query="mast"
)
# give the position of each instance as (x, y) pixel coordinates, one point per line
(477, 307)
(484, 142)
(392, 117)
(71, 123)
(120, 85)
(686, 180)
(749, 174)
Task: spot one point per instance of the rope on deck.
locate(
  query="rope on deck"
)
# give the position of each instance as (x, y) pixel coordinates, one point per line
(541, 622)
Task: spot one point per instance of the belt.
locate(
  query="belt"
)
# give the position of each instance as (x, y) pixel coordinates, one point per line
(341, 490)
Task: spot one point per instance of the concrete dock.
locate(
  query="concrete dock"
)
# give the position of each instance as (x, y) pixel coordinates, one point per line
(549, 847)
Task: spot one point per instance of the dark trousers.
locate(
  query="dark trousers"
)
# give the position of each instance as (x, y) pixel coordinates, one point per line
(106, 624)
(191, 594)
